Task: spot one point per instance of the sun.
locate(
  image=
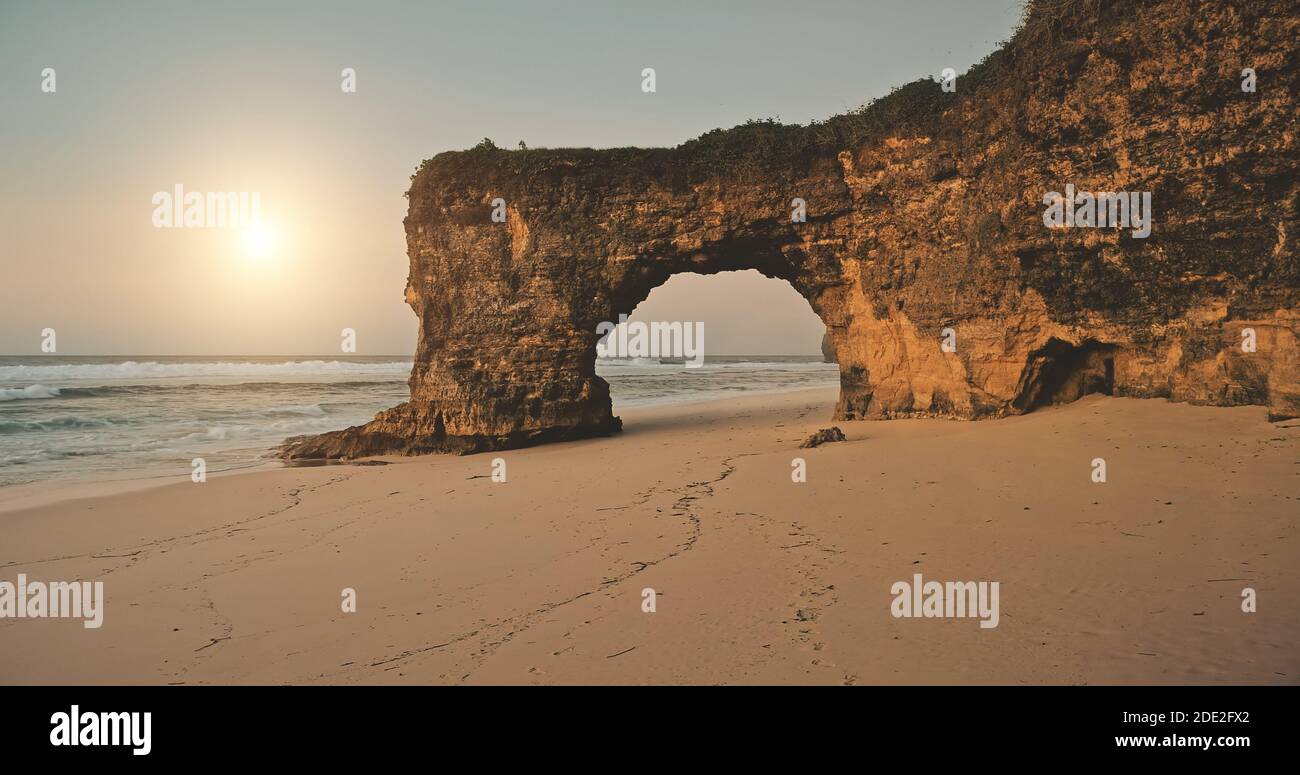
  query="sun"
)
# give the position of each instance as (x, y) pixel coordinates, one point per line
(260, 241)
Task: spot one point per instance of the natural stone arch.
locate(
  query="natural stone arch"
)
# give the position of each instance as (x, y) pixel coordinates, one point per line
(924, 213)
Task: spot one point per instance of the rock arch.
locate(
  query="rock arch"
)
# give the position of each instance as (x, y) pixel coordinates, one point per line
(924, 212)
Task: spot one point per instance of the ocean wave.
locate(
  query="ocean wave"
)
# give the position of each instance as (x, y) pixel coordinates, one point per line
(59, 423)
(202, 369)
(726, 369)
(341, 386)
(31, 391)
(27, 457)
(720, 361)
(627, 362)
(270, 433)
(313, 410)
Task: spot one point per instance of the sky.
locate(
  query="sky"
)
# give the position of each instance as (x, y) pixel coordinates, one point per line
(245, 96)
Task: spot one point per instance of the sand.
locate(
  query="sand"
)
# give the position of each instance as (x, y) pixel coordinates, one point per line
(539, 579)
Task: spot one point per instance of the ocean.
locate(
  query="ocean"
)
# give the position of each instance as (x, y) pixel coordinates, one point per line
(109, 417)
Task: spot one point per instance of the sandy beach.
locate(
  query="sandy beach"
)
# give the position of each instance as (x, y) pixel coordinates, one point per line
(758, 579)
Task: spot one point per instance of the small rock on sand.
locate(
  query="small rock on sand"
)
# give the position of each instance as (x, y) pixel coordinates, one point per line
(823, 436)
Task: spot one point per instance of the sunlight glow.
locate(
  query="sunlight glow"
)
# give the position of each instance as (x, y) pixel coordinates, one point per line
(260, 241)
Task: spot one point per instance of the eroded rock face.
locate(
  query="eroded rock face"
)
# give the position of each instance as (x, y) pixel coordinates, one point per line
(924, 212)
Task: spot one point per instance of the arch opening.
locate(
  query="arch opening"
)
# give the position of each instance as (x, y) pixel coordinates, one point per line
(756, 335)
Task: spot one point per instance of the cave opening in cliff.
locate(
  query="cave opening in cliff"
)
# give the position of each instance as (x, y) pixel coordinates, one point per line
(1060, 372)
(758, 334)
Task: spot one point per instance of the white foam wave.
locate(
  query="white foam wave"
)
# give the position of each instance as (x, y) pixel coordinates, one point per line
(31, 391)
(145, 370)
(314, 410)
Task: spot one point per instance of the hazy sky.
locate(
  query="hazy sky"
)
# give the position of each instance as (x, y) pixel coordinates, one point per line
(238, 96)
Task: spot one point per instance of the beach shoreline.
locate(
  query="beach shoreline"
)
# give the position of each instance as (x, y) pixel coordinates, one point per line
(66, 421)
(757, 578)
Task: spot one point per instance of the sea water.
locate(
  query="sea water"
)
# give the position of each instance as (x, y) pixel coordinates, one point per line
(120, 417)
